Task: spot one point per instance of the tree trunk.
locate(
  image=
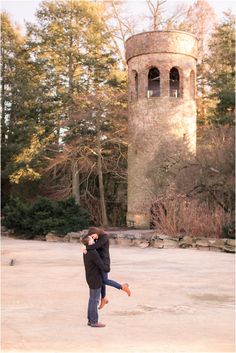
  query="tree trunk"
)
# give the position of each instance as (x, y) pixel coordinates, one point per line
(75, 171)
(75, 182)
(100, 178)
(3, 130)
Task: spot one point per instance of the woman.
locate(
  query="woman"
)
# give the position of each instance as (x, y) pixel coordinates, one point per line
(102, 247)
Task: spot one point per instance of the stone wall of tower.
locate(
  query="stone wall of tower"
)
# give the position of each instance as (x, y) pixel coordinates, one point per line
(157, 122)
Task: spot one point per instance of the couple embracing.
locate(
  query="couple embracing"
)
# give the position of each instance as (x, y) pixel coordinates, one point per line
(97, 265)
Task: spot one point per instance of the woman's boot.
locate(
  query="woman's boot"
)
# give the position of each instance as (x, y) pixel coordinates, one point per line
(104, 301)
(125, 288)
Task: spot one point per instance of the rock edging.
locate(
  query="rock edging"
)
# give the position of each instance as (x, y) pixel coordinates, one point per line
(145, 239)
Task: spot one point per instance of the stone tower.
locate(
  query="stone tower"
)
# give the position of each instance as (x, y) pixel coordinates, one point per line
(162, 108)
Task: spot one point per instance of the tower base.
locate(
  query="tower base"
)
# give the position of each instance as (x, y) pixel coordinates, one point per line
(138, 220)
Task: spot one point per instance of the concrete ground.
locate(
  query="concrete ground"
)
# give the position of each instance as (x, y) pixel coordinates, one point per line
(182, 300)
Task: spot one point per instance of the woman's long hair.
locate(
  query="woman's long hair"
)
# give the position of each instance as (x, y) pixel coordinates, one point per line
(95, 230)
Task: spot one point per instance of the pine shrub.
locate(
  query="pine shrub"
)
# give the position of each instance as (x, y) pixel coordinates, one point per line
(45, 216)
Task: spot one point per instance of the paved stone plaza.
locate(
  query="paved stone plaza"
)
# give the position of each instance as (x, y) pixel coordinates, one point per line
(182, 300)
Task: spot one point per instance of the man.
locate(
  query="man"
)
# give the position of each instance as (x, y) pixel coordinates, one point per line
(102, 246)
(94, 267)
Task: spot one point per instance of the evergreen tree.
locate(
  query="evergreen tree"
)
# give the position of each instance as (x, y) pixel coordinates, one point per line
(10, 52)
(221, 77)
(74, 50)
(25, 124)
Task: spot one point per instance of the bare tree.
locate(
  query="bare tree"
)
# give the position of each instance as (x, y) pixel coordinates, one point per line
(200, 20)
(157, 14)
(97, 147)
(119, 25)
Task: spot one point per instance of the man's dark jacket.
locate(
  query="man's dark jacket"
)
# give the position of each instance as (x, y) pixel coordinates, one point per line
(93, 269)
(102, 246)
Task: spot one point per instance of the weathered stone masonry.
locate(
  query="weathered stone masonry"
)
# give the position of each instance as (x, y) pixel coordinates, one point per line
(162, 107)
(151, 238)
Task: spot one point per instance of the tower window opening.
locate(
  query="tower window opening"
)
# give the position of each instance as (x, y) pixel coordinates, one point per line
(153, 83)
(174, 83)
(136, 85)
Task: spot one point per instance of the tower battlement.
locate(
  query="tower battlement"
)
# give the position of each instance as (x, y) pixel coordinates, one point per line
(172, 41)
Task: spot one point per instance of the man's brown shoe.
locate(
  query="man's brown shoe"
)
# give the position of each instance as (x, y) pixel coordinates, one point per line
(98, 324)
(125, 288)
(104, 301)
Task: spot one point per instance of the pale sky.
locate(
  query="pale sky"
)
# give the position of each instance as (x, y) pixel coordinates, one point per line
(23, 10)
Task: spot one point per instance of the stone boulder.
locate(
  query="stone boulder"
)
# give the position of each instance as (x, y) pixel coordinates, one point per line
(148, 236)
(170, 243)
(137, 236)
(163, 236)
(40, 237)
(202, 244)
(186, 242)
(158, 243)
(143, 244)
(66, 238)
(229, 249)
(75, 237)
(230, 242)
(52, 237)
(216, 244)
(122, 241)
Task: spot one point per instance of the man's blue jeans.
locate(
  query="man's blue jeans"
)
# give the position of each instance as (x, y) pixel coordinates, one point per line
(108, 282)
(94, 296)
